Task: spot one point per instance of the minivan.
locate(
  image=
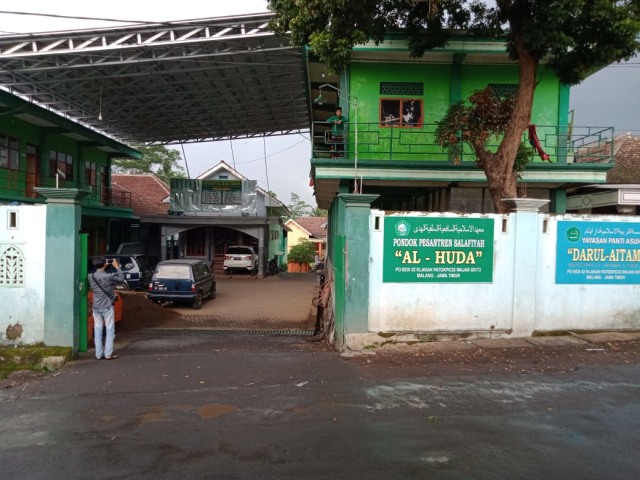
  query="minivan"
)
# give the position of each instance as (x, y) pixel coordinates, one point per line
(182, 280)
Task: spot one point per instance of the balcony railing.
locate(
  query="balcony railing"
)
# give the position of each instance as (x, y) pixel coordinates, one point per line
(564, 144)
(16, 186)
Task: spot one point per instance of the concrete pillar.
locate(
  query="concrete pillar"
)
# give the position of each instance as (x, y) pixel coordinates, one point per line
(524, 219)
(356, 210)
(62, 266)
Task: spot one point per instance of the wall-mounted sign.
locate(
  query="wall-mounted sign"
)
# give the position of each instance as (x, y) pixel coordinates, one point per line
(426, 249)
(221, 192)
(598, 252)
(219, 197)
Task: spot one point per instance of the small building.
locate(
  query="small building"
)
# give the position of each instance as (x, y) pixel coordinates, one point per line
(200, 218)
(620, 194)
(312, 229)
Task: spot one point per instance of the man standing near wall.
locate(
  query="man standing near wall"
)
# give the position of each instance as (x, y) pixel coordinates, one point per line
(103, 285)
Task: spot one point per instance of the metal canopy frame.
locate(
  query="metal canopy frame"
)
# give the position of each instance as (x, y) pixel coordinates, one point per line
(179, 82)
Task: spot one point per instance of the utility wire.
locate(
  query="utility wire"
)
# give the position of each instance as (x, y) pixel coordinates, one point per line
(185, 160)
(233, 156)
(266, 168)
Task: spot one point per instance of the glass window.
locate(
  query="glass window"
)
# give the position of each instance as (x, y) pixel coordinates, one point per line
(398, 112)
(175, 272)
(9, 153)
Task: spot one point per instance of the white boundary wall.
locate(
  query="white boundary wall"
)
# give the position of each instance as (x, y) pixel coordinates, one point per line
(522, 299)
(22, 306)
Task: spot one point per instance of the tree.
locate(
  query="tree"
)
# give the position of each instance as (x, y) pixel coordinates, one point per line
(298, 207)
(156, 159)
(573, 37)
(319, 212)
(302, 252)
(478, 123)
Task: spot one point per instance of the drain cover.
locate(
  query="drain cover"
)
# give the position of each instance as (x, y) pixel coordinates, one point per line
(293, 332)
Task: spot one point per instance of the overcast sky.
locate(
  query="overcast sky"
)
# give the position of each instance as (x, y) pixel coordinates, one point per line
(609, 98)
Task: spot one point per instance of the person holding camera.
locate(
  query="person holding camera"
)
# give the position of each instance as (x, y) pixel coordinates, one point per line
(103, 285)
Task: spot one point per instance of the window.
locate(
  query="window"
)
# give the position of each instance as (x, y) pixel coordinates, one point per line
(90, 173)
(502, 90)
(405, 112)
(62, 164)
(9, 153)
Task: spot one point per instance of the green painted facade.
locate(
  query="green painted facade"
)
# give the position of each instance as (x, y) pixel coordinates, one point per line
(36, 143)
(442, 86)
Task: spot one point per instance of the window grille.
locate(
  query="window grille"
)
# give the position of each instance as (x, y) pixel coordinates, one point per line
(12, 268)
(402, 88)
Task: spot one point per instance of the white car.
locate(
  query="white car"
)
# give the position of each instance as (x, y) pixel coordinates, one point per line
(240, 257)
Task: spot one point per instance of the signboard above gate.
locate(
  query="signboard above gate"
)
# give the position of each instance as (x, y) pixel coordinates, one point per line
(437, 249)
(213, 197)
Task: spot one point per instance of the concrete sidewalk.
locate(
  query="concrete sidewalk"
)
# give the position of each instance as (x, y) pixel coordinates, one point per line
(396, 343)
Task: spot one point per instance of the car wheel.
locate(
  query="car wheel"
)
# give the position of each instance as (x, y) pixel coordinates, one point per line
(197, 303)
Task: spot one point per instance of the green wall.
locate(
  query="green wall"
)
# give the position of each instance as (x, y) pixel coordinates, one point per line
(13, 184)
(418, 143)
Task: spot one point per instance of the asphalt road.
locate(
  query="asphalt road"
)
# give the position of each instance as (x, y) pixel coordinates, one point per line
(234, 407)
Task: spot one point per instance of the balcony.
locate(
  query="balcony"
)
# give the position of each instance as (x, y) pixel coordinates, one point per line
(564, 144)
(16, 186)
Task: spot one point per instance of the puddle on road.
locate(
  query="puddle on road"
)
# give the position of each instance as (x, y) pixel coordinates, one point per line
(214, 410)
(153, 414)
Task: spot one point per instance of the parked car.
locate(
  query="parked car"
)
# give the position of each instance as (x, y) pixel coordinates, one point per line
(182, 280)
(242, 258)
(136, 269)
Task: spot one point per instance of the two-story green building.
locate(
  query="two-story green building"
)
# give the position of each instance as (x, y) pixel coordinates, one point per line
(40, 148)
(393, 102)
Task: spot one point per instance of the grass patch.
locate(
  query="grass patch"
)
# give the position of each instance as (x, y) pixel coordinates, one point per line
(28, 357)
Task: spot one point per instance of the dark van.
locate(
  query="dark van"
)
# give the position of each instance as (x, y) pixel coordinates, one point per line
(182, 280)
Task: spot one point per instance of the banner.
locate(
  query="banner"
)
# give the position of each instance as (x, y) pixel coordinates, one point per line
(427, 249)
(598, 252)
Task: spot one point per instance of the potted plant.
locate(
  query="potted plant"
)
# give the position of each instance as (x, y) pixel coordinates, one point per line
(300, 256)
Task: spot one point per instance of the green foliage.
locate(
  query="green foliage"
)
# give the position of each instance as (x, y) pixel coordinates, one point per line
(298, 207)
(575, 37)
(303, 252)
(156, 159)
(477, 123)
(319, 212)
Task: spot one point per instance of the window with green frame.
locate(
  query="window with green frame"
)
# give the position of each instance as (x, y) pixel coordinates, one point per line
(90, 173)
(60, 163)
(9, 153)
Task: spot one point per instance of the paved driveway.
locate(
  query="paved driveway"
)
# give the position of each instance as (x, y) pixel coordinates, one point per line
(283, 301)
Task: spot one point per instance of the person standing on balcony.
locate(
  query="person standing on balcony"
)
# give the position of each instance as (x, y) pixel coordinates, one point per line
(103, 285)
(337, 122)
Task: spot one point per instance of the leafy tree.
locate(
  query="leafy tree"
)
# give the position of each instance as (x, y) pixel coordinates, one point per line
(156, 159)
(319, 212)
(302, 252)
(573, 37)
(298, 207)
(480, 123)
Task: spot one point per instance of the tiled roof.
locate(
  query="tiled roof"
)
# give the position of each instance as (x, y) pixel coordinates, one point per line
(147, 192)
(627, 160)
(316, 226)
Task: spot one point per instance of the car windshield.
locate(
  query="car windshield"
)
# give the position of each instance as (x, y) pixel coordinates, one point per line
(173, 271)
(238, 251)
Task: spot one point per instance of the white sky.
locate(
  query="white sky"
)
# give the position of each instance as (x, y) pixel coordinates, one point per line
(608, 98)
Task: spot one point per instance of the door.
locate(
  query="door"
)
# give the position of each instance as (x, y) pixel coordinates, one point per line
(32, 172)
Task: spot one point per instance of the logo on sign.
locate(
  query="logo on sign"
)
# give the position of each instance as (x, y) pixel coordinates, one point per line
(573, 234)
(403, 228)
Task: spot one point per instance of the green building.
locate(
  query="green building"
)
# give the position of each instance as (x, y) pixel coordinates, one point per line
(42, 149)
(393, 102)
